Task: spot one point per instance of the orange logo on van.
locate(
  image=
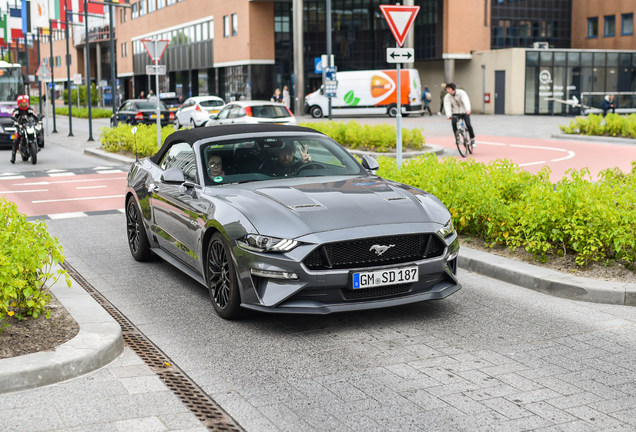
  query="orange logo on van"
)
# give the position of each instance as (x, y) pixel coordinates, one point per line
(379, 86)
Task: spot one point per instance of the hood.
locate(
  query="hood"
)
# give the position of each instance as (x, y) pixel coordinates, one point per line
(296, 209)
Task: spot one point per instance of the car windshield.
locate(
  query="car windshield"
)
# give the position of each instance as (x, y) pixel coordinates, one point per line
(270, 111)
(150, 105)
(171, 101)
(276, 157)
(211, 103)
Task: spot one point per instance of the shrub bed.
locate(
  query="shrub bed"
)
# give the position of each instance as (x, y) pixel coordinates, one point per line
(120, 139)
(83, 112)
(26, 264)
(380, 138)
(504, 204)
(615, 125)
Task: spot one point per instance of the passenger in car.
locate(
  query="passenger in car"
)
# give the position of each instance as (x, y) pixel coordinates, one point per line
(215, 166)
(285, 163)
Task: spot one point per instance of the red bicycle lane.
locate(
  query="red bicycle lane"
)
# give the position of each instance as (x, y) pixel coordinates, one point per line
(560, 155)
(38, 196)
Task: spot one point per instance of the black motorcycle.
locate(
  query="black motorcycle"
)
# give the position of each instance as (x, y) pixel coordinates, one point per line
(27, 130)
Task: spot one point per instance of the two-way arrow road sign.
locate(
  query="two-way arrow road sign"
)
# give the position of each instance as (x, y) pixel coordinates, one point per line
(400, 55)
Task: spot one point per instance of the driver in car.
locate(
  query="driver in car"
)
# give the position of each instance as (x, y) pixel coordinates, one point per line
(286, 163)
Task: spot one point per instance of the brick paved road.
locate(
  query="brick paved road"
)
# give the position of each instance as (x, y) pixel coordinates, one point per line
(492, 357)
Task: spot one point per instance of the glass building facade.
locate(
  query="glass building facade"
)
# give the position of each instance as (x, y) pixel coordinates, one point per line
(587, 75)
(520, 23)
(360, 36)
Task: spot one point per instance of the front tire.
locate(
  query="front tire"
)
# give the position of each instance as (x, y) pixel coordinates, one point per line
(461, 143)
(33, 148)
(469, 143)
(137, 237)
(177, 125)
(316, 111)
(392, 111)
(221, 279)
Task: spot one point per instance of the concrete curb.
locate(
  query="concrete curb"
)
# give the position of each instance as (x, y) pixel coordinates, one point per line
(111, 157)
(547, 281)
(594, 139)
(98, 343)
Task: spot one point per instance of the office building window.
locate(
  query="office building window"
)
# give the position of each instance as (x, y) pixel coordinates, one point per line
(234, 24)
(58, 61)
(226, 26)
(281, 20)
(197, 28)
(161, 4)
(211, 29)
(592, 27)
(627, 26)
(142, 7)
(151, 6)
(610, 26)
(135, 14)
(171, 2)
(204, 31)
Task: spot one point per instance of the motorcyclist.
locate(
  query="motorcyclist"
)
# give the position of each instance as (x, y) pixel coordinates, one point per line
(21, 115)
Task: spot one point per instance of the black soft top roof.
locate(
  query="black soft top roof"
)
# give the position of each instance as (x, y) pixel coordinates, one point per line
(191, 136)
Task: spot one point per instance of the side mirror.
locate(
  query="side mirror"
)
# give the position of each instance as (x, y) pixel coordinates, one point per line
(214, 116)
(40, 116)
(173, 175)
(370, 164)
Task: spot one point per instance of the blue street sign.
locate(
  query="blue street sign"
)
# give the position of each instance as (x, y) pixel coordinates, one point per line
(330, 73)
(318, 65)
(331, 84)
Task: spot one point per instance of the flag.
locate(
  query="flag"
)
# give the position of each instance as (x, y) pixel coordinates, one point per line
(39, 14)
(4, 38)
(14, 24)
(26, 16)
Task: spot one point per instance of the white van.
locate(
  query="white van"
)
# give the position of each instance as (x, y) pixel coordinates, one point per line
(369, 92)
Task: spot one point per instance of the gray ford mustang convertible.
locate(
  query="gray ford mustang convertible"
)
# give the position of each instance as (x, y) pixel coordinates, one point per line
(283, 219)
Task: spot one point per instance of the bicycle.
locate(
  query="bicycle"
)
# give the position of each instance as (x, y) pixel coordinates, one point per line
(464, 144)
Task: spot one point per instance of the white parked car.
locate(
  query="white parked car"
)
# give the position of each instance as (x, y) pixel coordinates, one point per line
(196, 111)
(252, 112)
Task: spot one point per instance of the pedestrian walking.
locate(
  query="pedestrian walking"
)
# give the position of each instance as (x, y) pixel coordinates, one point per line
(142, 95)
(277, 96)
(608, 104)
(426, 100)
(286, 97)
(442, 95)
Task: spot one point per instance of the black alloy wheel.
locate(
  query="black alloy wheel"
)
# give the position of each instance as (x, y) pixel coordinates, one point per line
(221, 279)
(137, 238)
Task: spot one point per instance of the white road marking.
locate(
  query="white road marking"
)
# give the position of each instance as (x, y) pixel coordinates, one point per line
(61, 174)
(77, 199)
(122, 210)
(67, 215)
(532, 163)
(23, 191)
(570, 155)
(112, 171)
(90, 187)
(68, 181)
(16, 177)
(538, 147)
(101, 168)
(491, 143)
(8, 174)
(55, 171)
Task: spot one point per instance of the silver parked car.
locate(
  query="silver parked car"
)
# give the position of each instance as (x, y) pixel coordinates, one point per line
(196, 111)
(253, 112)
(283, 219)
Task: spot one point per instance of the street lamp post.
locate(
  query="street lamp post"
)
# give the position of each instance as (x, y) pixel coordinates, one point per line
(52, 65)
(68, 74)
(88, 73)
(39, 60)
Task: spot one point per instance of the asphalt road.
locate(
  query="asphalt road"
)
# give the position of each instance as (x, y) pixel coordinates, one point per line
(491, 357)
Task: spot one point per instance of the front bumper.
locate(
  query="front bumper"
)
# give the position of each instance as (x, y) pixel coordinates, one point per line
(324, 292)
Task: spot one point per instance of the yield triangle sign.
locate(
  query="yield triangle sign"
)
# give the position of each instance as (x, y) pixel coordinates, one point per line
(43, 71)
(400, 20)
(155, 48)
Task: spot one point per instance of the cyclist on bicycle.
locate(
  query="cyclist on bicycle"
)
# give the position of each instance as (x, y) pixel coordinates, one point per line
(456, 105)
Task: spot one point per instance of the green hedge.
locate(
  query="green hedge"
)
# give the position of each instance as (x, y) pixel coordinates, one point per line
(83, 95)
(503, 203)
(120, 138)
(615, 125)
(379, 137)
(83, 112)
(26, 264)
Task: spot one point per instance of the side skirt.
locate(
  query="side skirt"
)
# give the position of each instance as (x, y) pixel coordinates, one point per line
(178, 264)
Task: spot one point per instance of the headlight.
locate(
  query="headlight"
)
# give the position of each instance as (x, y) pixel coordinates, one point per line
(259, 243)
(447, 229)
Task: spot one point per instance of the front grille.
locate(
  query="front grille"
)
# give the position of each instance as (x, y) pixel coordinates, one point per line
(369, 293)
(359, 253)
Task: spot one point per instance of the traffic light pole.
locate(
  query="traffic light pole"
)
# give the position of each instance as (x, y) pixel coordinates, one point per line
(87, 51)
(52, 65)
(68, 75)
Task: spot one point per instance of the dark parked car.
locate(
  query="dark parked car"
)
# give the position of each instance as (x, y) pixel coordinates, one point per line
(279, 218)
(136, 111)
(172, 102)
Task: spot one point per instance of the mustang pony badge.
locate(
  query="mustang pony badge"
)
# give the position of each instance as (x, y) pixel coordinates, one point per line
(380, 249)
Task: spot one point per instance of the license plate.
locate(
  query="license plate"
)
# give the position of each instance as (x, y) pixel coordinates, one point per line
(375, 278)
(154, 116)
